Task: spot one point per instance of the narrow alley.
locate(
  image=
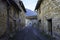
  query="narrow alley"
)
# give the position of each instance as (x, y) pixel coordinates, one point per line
(29, 19)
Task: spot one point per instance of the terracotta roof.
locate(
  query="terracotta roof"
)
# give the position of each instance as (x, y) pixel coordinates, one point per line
(38, 4)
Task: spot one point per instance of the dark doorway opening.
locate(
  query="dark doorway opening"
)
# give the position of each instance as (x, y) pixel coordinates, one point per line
(39, 23)
(50, 26)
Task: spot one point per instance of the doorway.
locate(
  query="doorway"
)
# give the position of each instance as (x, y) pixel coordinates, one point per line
(50, 26)
(39, 24)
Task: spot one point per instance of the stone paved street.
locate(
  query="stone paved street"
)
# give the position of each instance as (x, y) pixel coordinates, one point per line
(29, 33)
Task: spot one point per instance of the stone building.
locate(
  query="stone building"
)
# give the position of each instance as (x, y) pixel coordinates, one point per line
(22, 15)
(31, 17)
(3, 17)
(49, 16)
(12, 16)
(31, 20)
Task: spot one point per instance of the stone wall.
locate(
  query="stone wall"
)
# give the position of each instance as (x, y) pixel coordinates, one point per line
(12, 16)
(3, 17)
(22, 17)
(50, 9)
(15, 15)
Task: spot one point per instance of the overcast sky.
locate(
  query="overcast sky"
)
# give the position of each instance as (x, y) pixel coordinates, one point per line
(30, 4)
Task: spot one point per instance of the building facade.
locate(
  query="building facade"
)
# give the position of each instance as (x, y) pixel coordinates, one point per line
(22, 15)
(3, 17)
(12, 16)
(49, 16)
(31, 21)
